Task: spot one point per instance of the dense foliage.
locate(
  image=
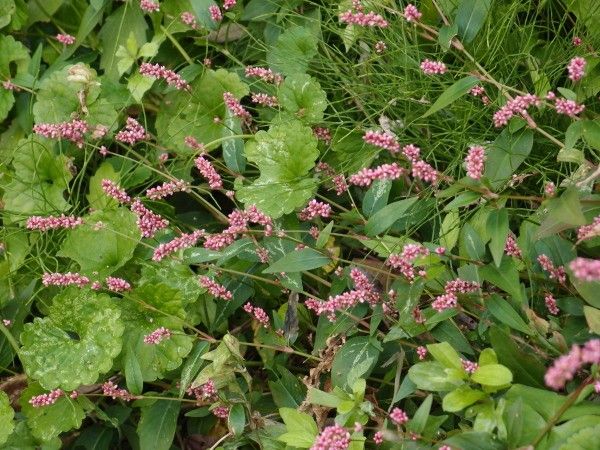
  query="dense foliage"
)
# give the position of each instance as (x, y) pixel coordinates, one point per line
(299, 224)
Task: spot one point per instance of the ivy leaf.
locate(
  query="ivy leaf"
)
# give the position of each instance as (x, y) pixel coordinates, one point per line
(146, 308)
(106, 248)
(293, 50)
(76, 342)
(11, 51)
(284, 155)
(39, 180)
(6, 417)
(48, 422)
(301, 97)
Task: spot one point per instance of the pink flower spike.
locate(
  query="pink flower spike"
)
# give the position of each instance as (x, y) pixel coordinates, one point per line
(315, 209)
(72, 131)
(362, 19)
(10, 86)
(474, 162)
(113, 190)
(65, 39)
(586, 269)
(423, 171)
(511, 248)
(167, 189)
(380, 47)
(516, 106)
(53, 222)
(382, 140)
(179, 243)
(384, 172)
(258, 313)
(64, 279)
(577, 41)
(422, 352)
(378, 438)
(189, 19)
(555, 273)
(157, 71)
(157, 336)
(228, 4)
(149, 6)
(215, 13)
(334, 437)
(147, 222)
(222, 412)
(265, 100)
(117, 284)
(551, 304)
(267, 75)
(236, 107)
(398, 416)
(568, 107)
(469, 366)
(430, 67)
(48, 399)
(208, 171)
(215, 289)
(576, 68)
(132, 133)
(411, 13)
(110, 389)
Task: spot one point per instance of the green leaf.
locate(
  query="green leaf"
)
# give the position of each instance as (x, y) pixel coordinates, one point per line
(48, 422)
(293, 51)
(376, 197)
(298, 261)
(357, 357)
(460, 398)
(7, 9)
(445, 354)
(106, 249)
(506, 277)
(588, 290)
(201, 9)
(301, 428)
(591, 133)
(432, 376)
(133, 372)
(138, 85)
(318, 397)
(497, 229)
(452, 93)
(492, 375)
(470, 17)
(324, 235)
(487, 356)
(419, 420)
(284, 155)
(502, 310)
(450, 230)
(302, 98)
(506, 154)
(592, 316)
(6, 417)
(523, 424)
(53, 357)
(386, 216)
(158, 423)
(471, 243)
(233, 148)
(237, 419)
(97, 198)
(192, 365)
(11, 52)
(471, 440)
(446, 34)
(563, 213)
(259, 10)
(38, 183)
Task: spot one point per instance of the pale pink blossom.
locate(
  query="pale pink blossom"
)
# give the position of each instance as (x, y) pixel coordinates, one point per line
(476, 91)
(236, 107)
(215, 289)
(398, 416)
(511, 248)
(65, 39)
(475, 161)
(334, 437)
(228, 4)
(380, 47)
(258, 313)
(422, 352)
(586, 269)
(378, 438)
(412, 153)
(47, 399)
(10, 86)
(189, 19)
(149, 6)
(576, 68)
(222, 412)
(424, 171)
(577, 41)
(568, 107)
(366, 176)
(72, 131)
(115, 284)
(555, 273)
(469, 366)
(404, 262)
(167, 189)
(322, 134)
(339, 183)
(267, 75)
(430, 67)
(157, 336)
(550, 302)
(565, 367)
(589, 231)
(113, 190)
(53, 222)
(148, 223)
(208, 171)
(193, 143)
(215, 13)
(516, 106)
(64, 279)
(361, 19)
(179, 243)
(171, 77)
(550, 189)
(314, 209)
(382, 140)
(110, 389)
(265, 100)
(132, 133)
(411, 13)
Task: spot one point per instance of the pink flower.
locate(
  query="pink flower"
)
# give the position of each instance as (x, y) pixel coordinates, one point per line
(259, 314)
(215, 289)
(469, 366)
(474, 162)
(445, 301)
(148, 222)
(132, 133)
(589, 231)
(179, 243)
(228, 4)
(423, 171)
(378, 438)
(117, 284)
(511, 248)
(411, 13)
(550, 189)
(339, 182)
(566, 366)
(315, 209)
(65, 39)
(222, 412)
(334, 437)
(157, 336)
(398, 416)
(215, 13)
(72, 131)
(218, 241)
(158, 71)
(10, 86)
(208, 171)
(440, 250)
(192, 143)
(110, 389)
(576, 41)
(518, 105)
(265, 100)
(322, 134)
(576, 68)
(6, 322)
(362, 19)
(551, 304)
(53, 222)
(568, 107)
(555, 273)
(189, 19)
(384, 172)
(430, 67)
(113, 190)
(48, 399)
(403, 262)
(236, 107)
(380, 47)
(167, 189)
(64, 279)
(412, 153)
(267, 75)
(149, 6)
(476, 91)
(382, 140)
(586, 269)
(422, 352)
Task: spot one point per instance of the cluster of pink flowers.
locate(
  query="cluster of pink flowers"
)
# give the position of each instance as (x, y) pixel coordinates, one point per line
(398, 416)
(228, 4)
(47, 399)
(64, 279)
(149, 6)
(469, 366)
(53, 222)
(147, 222)
(314, 209)
(236, 107)
(157, 336)
(577, 41)
(189, 19)
(555, 273)
(382, 140)
(215, 289)
(7, 322)
(378, 438)
(205, 393)
(511, 248)
(479, 91)
(132, 133)
(179, 243)
(72, 131)
(167, 189)
(421, 352)
(450, 298)
(115, 284)
(158, 71)
(334, 437)
(589, 231)
(363, 291)
(568, 107)
(412, 153)
(380, 47)
(265, 100)
(208, 171)
(65, 39)
(362, 19)
(550, 189)
(586, 269)
(259, 314)
(518, 105)
(113, 190)
(565, 367)
(411, 13)
(550, 302)
(222, 412)
(10, 86)
(474, 162)
(403, 262)
(267, 75)
(238, 224)
(424, 171)
(576, 68)
(322, 134)
(430, 67)
(215, 13)
(366, 176)
(110, 389)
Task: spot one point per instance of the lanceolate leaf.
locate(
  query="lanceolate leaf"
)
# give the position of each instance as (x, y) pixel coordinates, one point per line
(451, 94)
(158, 424)
(297, 261)
(470, 17)
(386, 216)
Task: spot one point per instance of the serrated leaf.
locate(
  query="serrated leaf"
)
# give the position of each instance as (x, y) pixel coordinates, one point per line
(53, 357)
(11, 52)
(302, 98)
(293, 50)
(6, 418)
(452, 93)
(158, 423)
(298, 261)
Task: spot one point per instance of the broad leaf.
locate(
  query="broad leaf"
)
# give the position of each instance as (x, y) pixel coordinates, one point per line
(11, 52)
(293, 50)
(302, 98)
(445, 354)
(470, 17)
(497, 229)
(432, 376)
(460, 398)
(386, 216)
(357, 357)
(502, 310)
(492, 375)
(158, 424)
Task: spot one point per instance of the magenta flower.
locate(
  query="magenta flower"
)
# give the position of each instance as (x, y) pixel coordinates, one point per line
(576, 68)
(474, 162)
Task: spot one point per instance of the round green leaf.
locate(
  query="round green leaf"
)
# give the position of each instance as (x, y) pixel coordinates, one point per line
(492, 375)
(76, 342)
